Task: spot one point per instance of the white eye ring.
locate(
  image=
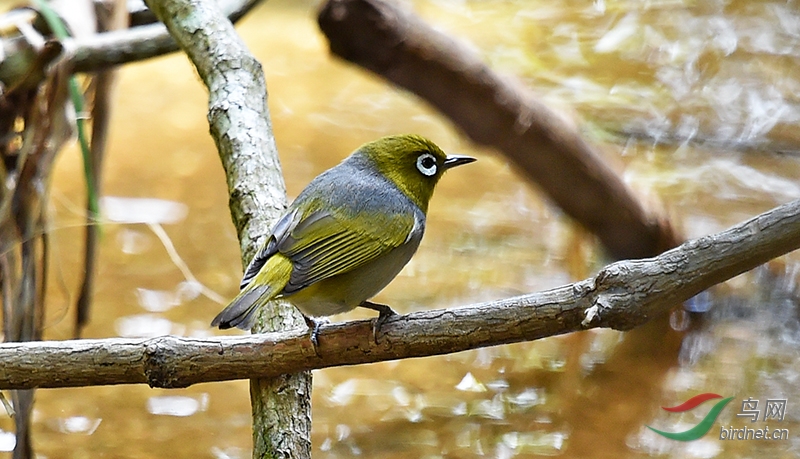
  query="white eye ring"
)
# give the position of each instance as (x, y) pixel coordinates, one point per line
(426, 164)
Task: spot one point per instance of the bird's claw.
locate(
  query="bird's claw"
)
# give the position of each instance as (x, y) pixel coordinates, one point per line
(384, 312)
(313, 330)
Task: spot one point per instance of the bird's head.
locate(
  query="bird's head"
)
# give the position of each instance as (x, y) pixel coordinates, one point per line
(412, 162)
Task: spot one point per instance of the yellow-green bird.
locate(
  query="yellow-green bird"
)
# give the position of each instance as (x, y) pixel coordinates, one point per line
(347, 235)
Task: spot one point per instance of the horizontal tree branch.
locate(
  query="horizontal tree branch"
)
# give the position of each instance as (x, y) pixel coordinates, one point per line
(108, 49)
(101, 51)
(621, 296)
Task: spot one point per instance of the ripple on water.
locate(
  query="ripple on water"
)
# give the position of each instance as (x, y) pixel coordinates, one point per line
(177, 405)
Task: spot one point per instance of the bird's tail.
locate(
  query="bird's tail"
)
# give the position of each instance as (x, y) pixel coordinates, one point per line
(268, 283)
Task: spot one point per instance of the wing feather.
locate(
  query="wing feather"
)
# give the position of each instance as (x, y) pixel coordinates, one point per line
(269, 248)
(329, 246)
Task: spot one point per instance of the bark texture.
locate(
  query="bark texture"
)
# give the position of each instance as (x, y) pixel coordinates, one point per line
(622, 295)
(241, 127)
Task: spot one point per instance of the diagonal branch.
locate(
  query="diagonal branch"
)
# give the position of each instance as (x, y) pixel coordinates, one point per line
(498, 111)
(622, 295)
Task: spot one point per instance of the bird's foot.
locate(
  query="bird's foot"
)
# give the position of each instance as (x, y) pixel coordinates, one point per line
(384, 312)
(313, 330)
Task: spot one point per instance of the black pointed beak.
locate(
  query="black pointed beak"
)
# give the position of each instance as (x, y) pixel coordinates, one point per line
(457, 160)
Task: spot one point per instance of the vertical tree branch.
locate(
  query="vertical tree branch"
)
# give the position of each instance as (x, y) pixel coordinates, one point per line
(23, 215)
(113, 17)
(242, 130)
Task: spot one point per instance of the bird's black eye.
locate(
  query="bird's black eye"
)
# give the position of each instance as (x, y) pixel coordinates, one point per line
(426, 164)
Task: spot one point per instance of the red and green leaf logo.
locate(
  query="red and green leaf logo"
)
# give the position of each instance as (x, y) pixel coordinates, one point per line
(703, 426)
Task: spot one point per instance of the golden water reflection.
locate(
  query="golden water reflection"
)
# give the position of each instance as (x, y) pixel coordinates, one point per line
(719, 71)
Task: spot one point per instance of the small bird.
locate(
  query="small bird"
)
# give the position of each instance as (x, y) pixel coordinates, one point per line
(347, 235)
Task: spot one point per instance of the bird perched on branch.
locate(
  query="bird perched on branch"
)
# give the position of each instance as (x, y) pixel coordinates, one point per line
(347, 235)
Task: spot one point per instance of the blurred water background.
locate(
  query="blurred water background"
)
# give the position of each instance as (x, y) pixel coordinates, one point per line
(696, 103)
